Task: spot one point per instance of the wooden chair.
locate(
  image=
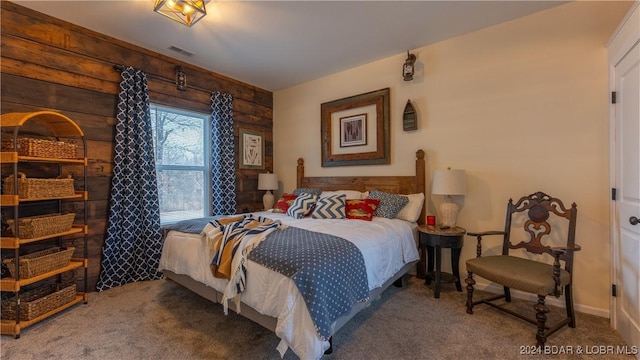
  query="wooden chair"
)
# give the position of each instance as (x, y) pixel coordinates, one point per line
(526, 274)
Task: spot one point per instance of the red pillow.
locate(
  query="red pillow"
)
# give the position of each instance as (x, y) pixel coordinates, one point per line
(362, 209)
(283, 204)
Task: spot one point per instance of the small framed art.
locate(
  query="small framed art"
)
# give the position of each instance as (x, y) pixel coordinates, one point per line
(353, 130)
(251, 149)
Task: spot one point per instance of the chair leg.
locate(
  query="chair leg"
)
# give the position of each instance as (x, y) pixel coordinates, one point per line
(568, 298)
(541, 316)
(470, 282)
(507, 294)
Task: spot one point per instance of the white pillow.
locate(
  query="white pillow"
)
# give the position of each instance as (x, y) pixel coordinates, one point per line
(411, 211)
(350, 194)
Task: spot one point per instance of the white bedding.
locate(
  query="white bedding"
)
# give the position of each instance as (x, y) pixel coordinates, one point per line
(386, 244)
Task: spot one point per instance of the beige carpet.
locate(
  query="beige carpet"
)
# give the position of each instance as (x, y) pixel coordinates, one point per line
(162, 320)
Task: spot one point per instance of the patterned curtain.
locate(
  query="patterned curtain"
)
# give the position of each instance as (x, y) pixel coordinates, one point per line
(133, 243)
(223, 156)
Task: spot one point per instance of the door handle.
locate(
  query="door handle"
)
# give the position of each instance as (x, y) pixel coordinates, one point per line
(633, 220)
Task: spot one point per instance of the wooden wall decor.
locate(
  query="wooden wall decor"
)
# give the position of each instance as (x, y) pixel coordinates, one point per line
(409, 117)
(50, 64)
(375, 150)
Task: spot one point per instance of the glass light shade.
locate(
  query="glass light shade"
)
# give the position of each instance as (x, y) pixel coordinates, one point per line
(267, 181)
(187, 12)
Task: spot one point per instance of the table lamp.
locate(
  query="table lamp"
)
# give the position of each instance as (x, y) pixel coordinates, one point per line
(448, 182)
(267, 182)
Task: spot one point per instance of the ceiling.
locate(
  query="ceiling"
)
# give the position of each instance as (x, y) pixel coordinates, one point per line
(278, 44)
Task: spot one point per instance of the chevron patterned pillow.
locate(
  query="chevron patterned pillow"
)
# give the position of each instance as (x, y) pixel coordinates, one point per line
(330, 207)
(302, 205)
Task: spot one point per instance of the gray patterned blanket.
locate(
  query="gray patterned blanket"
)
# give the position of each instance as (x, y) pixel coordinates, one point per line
(329, 271)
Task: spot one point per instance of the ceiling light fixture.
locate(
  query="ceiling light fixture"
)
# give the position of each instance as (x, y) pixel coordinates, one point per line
(187, 12)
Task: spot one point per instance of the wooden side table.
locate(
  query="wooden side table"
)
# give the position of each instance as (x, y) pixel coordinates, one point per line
(433, 238)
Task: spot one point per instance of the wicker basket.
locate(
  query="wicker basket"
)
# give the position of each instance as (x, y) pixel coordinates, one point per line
(40, 262)
(41, 148)
(34, 188)
(38, 301)
(42, 225)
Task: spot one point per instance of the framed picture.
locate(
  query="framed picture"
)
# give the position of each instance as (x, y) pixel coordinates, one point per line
(251, 149)
(355, 130)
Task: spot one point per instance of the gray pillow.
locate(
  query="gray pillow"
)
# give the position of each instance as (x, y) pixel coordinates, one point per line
(390, 204)
(312, 191)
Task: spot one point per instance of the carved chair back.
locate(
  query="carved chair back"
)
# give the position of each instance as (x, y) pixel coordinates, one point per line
(538, 208)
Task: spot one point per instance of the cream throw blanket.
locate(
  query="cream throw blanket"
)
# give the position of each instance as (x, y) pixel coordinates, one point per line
(229, 241)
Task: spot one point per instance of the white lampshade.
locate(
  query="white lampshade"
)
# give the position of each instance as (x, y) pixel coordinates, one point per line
(449, 182)
(267, 181)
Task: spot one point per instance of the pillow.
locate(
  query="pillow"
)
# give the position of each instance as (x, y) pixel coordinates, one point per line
(302, 205)
(330, 207)
(362, 209)
(350, 194)
(283, 204)
(390, 204)
(411, 211)
(312, 191)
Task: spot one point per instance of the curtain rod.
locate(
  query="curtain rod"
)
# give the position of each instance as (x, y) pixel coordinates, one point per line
(120, 68)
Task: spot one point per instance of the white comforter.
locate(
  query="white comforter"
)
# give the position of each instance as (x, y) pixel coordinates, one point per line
(386, 244)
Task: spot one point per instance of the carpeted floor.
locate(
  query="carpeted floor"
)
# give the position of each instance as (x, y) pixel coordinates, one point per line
(162, 320)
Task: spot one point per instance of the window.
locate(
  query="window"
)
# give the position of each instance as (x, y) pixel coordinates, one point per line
(182, 162)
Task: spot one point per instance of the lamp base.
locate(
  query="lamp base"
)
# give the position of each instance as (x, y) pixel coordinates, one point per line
(267, 200)
(449, 212)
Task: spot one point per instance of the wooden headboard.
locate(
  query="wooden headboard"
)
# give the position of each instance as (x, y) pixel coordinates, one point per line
(392, 184)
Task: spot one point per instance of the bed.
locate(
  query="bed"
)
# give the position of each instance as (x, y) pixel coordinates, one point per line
(273, 300)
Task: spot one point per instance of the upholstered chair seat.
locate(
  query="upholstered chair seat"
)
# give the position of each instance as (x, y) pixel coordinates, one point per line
(518, 273)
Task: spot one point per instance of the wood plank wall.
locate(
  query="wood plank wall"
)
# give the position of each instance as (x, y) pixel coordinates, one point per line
(47, 63)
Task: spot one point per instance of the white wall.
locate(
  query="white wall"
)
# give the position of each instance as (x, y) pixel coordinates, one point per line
(521, 106)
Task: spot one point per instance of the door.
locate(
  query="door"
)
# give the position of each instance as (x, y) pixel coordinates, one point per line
(626, 239)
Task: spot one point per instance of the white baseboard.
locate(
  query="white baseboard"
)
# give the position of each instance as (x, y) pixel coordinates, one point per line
(559, 302)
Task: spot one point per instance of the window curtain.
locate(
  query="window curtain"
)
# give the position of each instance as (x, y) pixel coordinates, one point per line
(133, 243)
(223, 155)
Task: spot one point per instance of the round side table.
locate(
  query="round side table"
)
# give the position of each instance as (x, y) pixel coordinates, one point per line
(434, 239)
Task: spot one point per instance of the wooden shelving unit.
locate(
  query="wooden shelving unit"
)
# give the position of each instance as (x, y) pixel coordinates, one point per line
(58, 126)
(12, 327)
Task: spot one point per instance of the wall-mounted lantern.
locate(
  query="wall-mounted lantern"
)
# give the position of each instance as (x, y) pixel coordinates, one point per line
(408, 67)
